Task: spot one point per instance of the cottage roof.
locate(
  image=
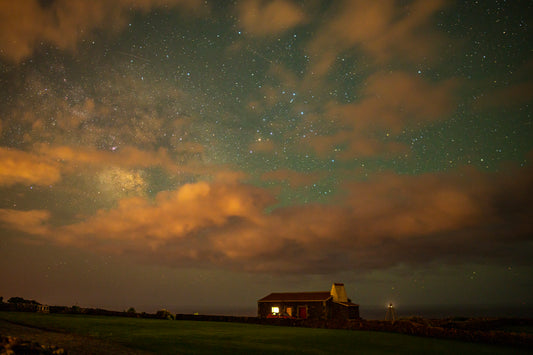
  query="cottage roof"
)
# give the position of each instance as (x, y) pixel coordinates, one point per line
(347, 304)
(297, 296)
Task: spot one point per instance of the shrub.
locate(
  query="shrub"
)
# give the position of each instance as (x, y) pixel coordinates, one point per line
(21, 300)
(164, 314)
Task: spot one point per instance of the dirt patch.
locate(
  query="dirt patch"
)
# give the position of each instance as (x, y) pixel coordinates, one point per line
(71, 343)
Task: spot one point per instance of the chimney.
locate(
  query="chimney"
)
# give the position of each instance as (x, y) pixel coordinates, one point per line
(338, 292)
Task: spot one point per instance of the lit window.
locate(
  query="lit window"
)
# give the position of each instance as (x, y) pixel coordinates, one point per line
(289, 311)
(275, 310)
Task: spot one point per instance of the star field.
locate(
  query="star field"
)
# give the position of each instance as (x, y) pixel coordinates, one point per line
(387, 143)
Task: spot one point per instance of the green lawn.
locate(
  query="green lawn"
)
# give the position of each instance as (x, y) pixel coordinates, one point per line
(191, 337)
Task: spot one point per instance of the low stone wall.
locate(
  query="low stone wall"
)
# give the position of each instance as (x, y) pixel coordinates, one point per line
(474, 330)
(218, 318)
(99, 312)
(426, 329)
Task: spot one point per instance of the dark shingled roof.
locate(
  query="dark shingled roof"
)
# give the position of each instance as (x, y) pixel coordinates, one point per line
(347, 304)
(296, 296)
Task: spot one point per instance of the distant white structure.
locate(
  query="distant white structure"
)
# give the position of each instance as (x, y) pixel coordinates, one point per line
(42, 308)
(391, 313)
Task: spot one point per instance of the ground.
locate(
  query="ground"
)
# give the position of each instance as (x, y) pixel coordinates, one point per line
(72, 343)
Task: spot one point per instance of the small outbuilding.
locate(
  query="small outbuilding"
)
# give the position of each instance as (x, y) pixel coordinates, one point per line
(333, 304)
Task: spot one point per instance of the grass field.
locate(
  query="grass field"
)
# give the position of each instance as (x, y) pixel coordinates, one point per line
(191, 337)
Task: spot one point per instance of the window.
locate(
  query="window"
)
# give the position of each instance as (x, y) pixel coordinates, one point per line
(289, 311)
(275, 310)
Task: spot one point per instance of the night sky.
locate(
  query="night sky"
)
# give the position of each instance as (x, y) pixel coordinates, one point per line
(198, 155)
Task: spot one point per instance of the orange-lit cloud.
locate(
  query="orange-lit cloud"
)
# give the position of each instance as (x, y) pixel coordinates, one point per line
(127, 156)
(383, 29)
(393, 100)
(260, 17)
(75, 158)
(17, 166)
(388, 220)
(32, 222)
(25, 24)
(46, 164)
(175, 219)
(389, 102)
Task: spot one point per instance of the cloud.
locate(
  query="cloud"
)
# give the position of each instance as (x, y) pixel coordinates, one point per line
(378, 223)
(19, 167)
(126, 156)
(269, 17)
(45, 164)
(382, 29)
(388, 103)
(178, 220)
(396, 99)
(511, 96)
(394, 219)
(126, 162)
(517, 92)
(31, 222)
(63, 23)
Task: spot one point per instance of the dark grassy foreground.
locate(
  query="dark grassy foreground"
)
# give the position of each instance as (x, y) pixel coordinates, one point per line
(195, 337)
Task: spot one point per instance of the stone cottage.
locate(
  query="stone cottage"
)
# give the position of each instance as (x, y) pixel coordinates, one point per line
(333, 304)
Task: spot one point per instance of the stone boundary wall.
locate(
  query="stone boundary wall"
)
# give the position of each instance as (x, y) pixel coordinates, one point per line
(99, 312)
(447, 331)
(472, 330)
(218, 318)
